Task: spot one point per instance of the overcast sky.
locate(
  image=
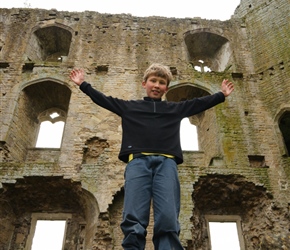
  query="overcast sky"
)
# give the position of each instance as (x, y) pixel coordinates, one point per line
(208, 9)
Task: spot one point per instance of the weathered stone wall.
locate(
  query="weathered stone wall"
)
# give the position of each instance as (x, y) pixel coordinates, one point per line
(242, 167)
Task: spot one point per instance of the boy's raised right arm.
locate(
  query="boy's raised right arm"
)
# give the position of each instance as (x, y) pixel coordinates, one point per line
(77, 76)
(112, 104)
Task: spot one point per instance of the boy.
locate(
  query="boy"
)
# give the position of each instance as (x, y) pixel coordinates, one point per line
(151, 148)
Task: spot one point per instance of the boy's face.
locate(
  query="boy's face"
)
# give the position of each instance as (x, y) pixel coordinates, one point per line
(155, 86)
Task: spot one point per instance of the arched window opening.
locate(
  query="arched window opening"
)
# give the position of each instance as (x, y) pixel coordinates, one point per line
(192, 134)
(208, 51)
(51, 128)
(36, 102)
(50, 44)
(284, 126)
(188, 135)
(55, 201)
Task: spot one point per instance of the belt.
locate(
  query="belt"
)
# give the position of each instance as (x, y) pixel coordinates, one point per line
(138, 155)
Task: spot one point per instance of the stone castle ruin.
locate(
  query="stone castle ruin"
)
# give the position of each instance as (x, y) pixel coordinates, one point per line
(240, 172)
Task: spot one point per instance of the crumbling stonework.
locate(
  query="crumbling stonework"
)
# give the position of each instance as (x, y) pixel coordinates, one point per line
(242, 167)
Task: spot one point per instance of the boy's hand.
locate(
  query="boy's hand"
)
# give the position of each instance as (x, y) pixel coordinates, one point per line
(77, 76)
(227, 87)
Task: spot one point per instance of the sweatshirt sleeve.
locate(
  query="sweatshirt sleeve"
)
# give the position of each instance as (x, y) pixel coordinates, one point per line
(110, 103)
(197, 105)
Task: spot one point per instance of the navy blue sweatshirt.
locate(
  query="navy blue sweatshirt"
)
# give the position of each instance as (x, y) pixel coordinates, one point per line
(151, 125)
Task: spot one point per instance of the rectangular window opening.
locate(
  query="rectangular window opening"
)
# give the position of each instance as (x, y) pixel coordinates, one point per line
(48, 231)
(49, 234)
(225, 232)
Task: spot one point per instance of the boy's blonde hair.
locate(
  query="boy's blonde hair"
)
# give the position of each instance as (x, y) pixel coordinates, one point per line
(160, 70)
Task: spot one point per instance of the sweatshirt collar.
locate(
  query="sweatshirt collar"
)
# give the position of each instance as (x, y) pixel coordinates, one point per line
(146, 98)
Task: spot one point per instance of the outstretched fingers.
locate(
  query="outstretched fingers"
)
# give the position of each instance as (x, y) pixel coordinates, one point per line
(77, 76)
(227, 87)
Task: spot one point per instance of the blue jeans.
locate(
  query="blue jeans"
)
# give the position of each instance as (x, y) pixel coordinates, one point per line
(151, 177)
